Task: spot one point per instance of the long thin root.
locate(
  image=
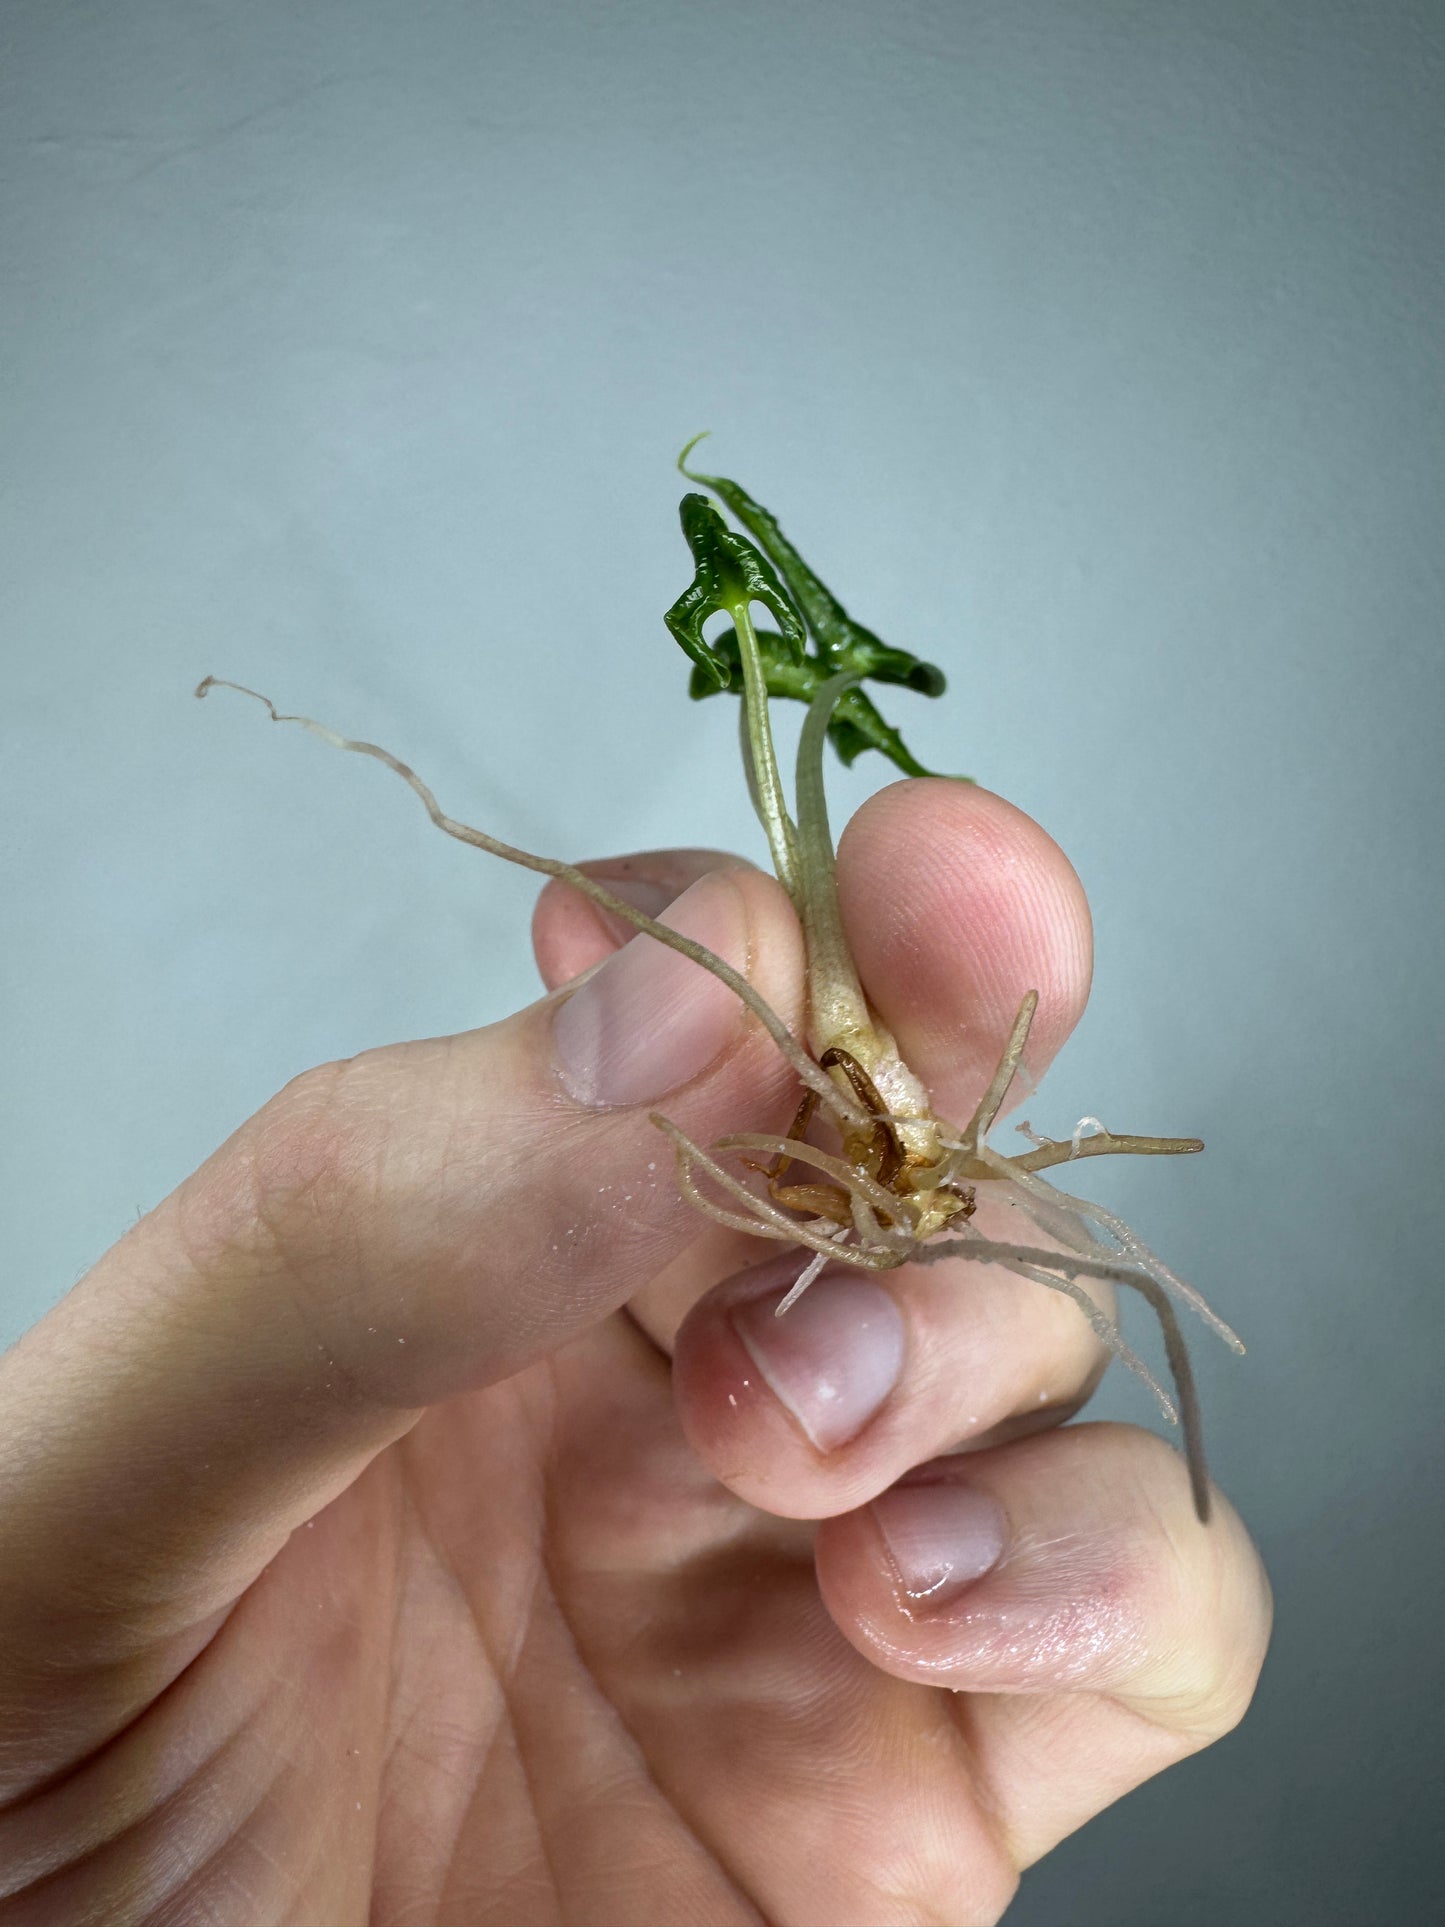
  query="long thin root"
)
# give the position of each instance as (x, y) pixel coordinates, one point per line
(852, 1180)
(790, 1230)
(815, 1078)
(1060, 1273)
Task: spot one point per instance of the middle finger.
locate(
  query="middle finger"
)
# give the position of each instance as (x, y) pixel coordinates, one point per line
(868, 1374)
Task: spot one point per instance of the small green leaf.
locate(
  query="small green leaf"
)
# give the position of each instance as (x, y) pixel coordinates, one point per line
(856, 723)
(857, 726)
(730, 570)
(730, 575)
(841, 642)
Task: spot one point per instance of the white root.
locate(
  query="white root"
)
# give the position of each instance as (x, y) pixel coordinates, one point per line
(1049, 1151)
(816, 1079)
(805, 1278)
(1068, 1218)
(1060, 1273)
(791, 1230)
(990, 1104)
(844, 1174)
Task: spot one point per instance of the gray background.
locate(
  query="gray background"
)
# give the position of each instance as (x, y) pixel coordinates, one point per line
(1091, 350)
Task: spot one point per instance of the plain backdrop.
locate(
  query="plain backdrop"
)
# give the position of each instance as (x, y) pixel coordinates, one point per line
(1091, 350)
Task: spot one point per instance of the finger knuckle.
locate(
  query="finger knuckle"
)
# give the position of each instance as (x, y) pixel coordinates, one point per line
(306, 1164)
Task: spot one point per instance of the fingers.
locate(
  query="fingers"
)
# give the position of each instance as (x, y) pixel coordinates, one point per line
(956, 905)
(385, 1233)
(432, 1217)
(819, 1410)
(570, 935)
(1066, 1581)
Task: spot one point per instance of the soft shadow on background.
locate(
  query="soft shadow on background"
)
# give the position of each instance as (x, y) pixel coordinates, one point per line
(1091, 351)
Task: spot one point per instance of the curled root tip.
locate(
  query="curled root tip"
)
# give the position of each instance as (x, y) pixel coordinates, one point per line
(208, 683)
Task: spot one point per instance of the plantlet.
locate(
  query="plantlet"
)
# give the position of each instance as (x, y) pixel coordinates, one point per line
(901, 1186)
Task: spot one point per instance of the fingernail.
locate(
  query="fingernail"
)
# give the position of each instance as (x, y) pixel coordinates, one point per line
(651, 1019)
(831, 1359)
(940, 1537)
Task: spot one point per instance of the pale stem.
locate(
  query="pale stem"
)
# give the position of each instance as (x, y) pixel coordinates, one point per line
(837, 1008)
(766, 783)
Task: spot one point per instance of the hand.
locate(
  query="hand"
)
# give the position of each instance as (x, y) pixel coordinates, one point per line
(365, 1557)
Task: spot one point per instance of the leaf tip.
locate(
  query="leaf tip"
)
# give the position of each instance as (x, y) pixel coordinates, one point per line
(683, 468)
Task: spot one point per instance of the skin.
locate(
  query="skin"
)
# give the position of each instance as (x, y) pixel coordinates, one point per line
(394, 1529)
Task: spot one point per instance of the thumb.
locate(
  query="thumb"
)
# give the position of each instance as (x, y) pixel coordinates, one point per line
(388, 1231)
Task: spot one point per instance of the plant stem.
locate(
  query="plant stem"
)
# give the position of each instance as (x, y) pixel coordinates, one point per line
(766, 781)
(838, 1011)
(839, 1014)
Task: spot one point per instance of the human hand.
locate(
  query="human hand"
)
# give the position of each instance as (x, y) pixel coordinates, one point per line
(365, 1557)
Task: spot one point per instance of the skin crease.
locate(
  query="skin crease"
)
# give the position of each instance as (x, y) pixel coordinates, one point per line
(368, 1556)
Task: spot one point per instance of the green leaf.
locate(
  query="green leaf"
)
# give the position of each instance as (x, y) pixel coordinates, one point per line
(856, 723)
(730, 571)
(857, 726)
(841, 642)
(730, 574)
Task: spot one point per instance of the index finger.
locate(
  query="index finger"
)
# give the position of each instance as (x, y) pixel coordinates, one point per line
(957, 904)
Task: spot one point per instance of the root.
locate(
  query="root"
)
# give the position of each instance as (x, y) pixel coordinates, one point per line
(779, 1224)
(1182, 1371)
(991, 1103)
(1101, 1143)
(1068, 1218)
(882, 1236)
(852, 1180)
(1154, 1267)
(816, 1080)
(805, 1278)
(1060, 1273)
(1057, 1270)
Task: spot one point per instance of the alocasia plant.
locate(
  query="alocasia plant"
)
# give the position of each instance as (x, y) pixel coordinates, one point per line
(901, 1185)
